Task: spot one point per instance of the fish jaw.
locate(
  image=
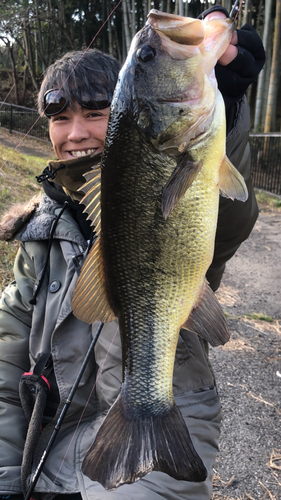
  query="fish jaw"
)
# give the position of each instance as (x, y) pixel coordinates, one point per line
(183, 30)
(210, 37)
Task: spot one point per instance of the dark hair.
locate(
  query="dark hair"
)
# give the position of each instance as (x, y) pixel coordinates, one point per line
(91, 69)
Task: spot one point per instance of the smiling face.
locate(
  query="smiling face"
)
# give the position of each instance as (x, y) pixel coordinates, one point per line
(78, 131)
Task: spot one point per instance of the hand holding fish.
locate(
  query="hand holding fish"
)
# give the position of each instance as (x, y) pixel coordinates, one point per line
(242, 60)
(232, 50)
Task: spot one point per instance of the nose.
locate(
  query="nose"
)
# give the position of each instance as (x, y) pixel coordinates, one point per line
(78, 130)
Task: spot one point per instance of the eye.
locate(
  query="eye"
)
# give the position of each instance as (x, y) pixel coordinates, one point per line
(145, 53)
(58, 118)
(94, 114)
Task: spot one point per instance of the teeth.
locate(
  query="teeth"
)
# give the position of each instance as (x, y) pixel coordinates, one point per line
(78, 154)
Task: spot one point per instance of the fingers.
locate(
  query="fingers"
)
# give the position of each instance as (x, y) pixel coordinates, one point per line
(229, 55)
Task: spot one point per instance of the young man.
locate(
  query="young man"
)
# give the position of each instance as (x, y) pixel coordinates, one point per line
(38, 331)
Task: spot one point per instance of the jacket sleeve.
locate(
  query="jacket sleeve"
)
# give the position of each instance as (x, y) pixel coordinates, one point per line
(236, 218)
(15, 321)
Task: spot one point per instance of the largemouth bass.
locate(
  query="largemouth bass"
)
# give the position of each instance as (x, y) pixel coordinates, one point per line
(163, 168)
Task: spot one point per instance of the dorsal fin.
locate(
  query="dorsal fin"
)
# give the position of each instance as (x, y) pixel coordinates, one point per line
(180, 180)
(91, 199)
(89, 301)
(231, 182)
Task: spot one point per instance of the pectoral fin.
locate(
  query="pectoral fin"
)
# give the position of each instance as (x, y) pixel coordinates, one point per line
(180, 180)
(207, 319)
(89, 301)
(231, 182)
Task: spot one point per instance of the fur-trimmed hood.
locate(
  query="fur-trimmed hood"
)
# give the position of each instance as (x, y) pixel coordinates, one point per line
(17, 217)
(29, 221)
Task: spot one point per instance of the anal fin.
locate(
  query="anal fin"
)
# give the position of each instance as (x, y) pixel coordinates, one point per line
(207, 318)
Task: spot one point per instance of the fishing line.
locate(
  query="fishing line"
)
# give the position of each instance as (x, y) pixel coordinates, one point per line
(111, 13)
(84, 409)
(3, 102)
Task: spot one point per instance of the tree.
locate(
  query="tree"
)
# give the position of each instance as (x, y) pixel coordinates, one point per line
(274, 76)
(261, 80)
(13, 74)
(41, 31)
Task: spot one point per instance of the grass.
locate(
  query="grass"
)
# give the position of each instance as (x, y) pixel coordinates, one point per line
(17, 184)
(255, 316)
(17, 177)
(260, 317)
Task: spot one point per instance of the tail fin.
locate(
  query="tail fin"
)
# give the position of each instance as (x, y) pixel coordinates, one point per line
(127, 449)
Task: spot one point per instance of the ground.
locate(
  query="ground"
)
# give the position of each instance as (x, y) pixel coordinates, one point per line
(248, 367)
(25, 145)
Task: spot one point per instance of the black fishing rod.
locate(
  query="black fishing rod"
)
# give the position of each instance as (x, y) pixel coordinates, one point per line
(62, 415)
(235, 9)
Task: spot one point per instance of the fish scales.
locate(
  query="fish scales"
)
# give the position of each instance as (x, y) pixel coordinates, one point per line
(144, 233)
(162, 169)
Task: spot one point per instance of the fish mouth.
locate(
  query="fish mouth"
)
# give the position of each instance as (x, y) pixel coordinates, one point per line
(183, 37)
(182, 30)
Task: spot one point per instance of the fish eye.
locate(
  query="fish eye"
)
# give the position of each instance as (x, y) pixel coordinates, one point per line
(145, 53)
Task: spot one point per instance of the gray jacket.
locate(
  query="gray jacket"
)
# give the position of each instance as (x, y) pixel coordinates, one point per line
(28, 330)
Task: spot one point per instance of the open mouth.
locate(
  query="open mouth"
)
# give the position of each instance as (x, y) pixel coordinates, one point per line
(83, 152)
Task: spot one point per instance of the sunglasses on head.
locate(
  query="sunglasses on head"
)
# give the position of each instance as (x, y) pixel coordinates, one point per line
(55, 102)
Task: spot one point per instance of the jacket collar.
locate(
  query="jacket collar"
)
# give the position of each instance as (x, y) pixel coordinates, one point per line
(69, 174)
